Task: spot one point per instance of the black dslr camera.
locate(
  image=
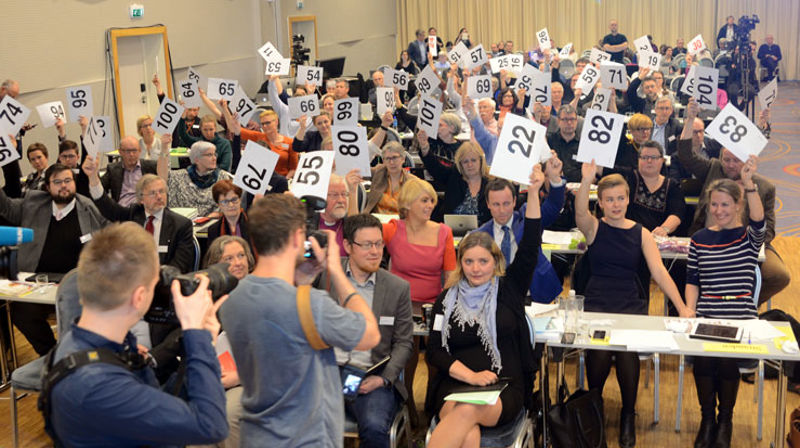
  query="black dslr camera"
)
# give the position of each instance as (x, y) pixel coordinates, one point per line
(162, 310)
(300, 54)
(313, 206)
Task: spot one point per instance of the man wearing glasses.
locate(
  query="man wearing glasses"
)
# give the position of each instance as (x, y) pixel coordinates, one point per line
(62, 221)
(649, 88)
(381, 392)
(121, 177)
(171, 231)
(332, 218)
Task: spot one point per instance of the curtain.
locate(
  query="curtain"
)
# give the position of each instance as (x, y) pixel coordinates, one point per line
(585, 22)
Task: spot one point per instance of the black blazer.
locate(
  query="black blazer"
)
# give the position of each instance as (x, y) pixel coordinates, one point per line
(115, 175)
(455, 189)
(176, 231)
(215, 230)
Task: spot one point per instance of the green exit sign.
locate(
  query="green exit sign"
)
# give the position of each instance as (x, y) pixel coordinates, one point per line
(137, 11)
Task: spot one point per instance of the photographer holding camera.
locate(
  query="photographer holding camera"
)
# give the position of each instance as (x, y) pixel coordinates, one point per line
(280, 331)
(98, 391)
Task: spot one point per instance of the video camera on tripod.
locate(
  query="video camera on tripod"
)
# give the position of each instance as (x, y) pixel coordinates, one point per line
(300, 54)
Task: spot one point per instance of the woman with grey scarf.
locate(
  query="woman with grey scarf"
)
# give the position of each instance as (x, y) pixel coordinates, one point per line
(479, 333)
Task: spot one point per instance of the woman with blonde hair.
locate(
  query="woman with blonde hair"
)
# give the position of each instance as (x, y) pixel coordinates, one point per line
(484, 335)
(387, 180)
(463, 183)
(149, 143)
(640, 127)
(422, 251)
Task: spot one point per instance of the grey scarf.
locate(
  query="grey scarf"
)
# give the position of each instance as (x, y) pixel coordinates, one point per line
(470, 305)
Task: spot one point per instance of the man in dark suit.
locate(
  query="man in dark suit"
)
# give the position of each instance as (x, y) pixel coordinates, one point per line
(389, 298)
(666, 129)
(121, 177)
(418, 49)
(172, 232)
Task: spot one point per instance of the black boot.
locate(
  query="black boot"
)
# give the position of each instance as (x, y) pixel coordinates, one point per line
(627, 430)
(707, 397)
(728, 389)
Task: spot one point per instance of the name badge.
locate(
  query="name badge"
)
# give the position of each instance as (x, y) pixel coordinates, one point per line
(86, 238)
(671, 138)
(386, 320)
(438, 321)
(163, 249)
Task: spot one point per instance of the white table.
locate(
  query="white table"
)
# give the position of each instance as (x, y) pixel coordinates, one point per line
(687, 347)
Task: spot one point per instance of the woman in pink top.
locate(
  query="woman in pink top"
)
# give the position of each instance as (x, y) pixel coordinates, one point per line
(421, 250)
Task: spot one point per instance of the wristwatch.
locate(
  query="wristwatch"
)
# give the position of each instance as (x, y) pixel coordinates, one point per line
(752, 190)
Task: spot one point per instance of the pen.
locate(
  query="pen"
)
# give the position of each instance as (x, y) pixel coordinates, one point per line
(749, 333)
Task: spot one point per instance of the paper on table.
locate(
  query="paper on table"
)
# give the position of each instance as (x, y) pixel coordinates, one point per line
(551, 237)
(536, 309)
(758, 329)
(727, 347)
(644, 340)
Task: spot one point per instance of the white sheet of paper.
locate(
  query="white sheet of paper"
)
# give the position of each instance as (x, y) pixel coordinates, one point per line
(649, 59)
(345, 111)
(199, 79)
(598, 56)
(705, 88)
(499, 63)
(696, 45)
(735, 132)
(643, 44)
(103, 124)
(280, 68)
(601, 100)
(269, 52)
(98, 136)
(768, 94)
(600, 137)
(564, 53)
(515, 62)
(7, 152)
(242, 105)
(219, 88)
(385, 100)
(521, 145)
(187, 89)
(303, 105)
(476, 57)
(543, 37)
(49, 113)
(541, 88)
(687, 87)
(525, 79)
(396, 78)
(613, 75)
(430, 110)
(167, 116)
(255, 168)
(12, 115)
(313, 174)
(427, 81)
(433, 48)
(350, 149)
(587, 80)
(307, 74)
(79, 102)
(458, 53)
(479, 86)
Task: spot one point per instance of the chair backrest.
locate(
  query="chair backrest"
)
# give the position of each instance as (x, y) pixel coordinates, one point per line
(566, 68)
(197, 253)
(676, 83)
(757, 287)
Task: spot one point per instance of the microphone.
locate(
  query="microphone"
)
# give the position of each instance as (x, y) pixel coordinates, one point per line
(12, 236)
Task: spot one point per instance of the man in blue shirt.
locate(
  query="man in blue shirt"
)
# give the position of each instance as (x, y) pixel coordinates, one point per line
(292, 391)
(615, 43)
(102, 404)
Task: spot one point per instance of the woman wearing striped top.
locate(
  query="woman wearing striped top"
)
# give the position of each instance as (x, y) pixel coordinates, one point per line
(720, 284)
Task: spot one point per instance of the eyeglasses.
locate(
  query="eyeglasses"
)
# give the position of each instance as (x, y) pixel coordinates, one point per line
(392, 158)
(67, 156)
(154, 193)
(650, 158)
(229, 202)
(146, 125)
(569, 120)
(370, 244)
(60, 182)
(337, 195)
(230, 258)
(700, 132)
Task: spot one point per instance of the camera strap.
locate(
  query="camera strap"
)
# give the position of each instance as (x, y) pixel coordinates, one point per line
(307, 318)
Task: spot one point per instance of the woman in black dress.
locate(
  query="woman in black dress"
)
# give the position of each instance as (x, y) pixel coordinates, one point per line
(483, 334)
(617, 246)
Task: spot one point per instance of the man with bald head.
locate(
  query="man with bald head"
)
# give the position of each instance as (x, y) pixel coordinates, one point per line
(615, 43)
(9, 87)
(769, 53)
(121, 177)
(774, 274)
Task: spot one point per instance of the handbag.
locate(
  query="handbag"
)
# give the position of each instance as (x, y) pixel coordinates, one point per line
(578, 421)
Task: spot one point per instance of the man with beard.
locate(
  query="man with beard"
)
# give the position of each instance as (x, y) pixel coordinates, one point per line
(336, 209)
(292, 390)
(648, 103)
(62, 221)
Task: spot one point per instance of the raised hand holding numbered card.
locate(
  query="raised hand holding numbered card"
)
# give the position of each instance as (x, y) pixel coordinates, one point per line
(167, 117)
(345, 112)
(49, 113)
(587, 80)
(303, 105)
(735, 132)
(187, 89)
(599, 56)
(613, 75)
(649, 60)
(350, 149)
(477, 57)
(543, 38)
(642, 44)
(521, 145)
(308, 75)
(397, 78)
(601, 100)
(696, 45)
(219, 88)
(564, 53)
(255, 169)
(430, 110)
(385, 99)
(427, 80)
(242, 105)
(689, 82)
(705, 88)
(458, 54)
(479, 86)
(541, 88)
(79, 102)
(313, 174)
(525, 79)
(600, 137)
(269, 52)
(432, 46)
(8, 150)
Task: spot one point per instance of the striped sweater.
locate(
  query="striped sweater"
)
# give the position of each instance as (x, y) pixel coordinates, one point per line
(722, 264)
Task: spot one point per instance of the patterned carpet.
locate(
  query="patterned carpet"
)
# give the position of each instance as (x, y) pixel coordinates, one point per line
(780, 159)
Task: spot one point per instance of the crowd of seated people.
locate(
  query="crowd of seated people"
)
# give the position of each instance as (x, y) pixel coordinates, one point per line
(479, 288)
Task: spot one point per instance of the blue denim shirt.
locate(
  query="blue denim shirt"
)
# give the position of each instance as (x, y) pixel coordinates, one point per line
(101, 405)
